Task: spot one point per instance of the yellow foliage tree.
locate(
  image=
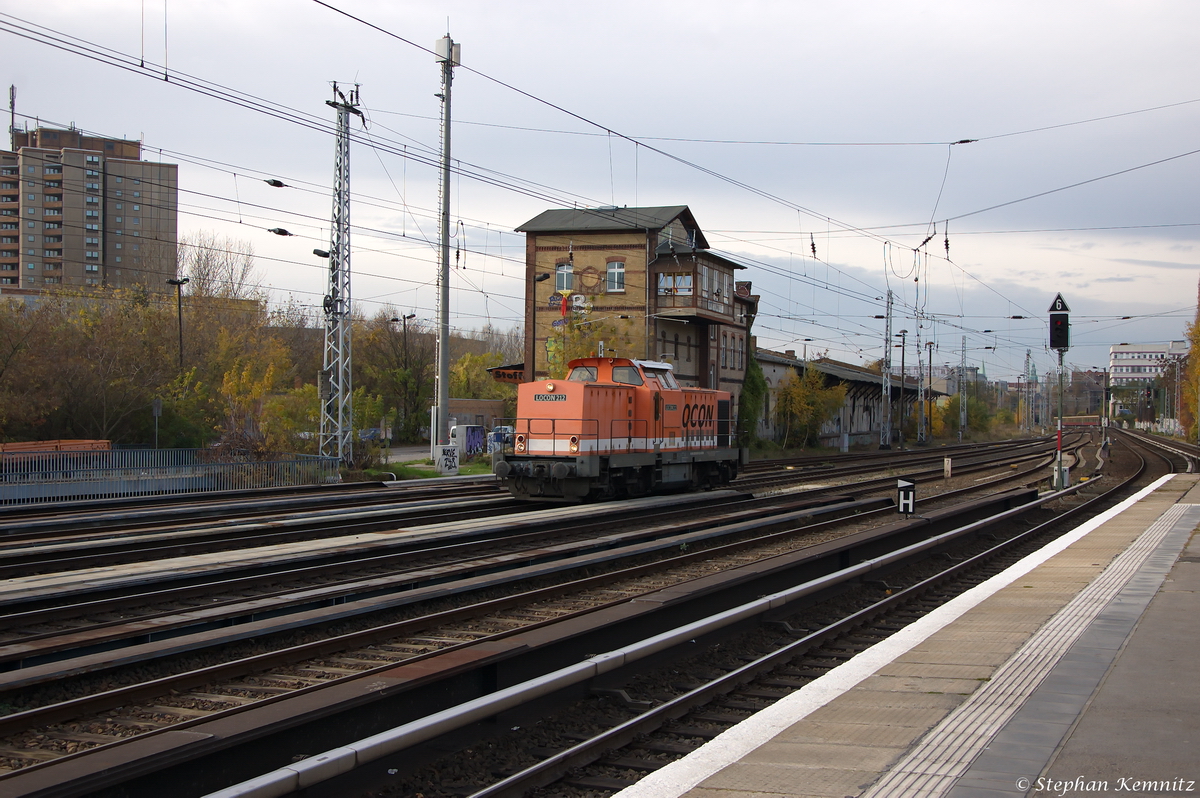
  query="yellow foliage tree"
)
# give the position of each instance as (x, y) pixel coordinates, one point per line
(804, 404)
(580, 336)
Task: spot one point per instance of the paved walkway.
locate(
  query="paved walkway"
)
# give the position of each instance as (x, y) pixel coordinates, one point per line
(408, 453)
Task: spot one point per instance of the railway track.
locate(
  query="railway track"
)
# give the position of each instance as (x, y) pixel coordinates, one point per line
(665, 713)
(264, 681)
(79, 519)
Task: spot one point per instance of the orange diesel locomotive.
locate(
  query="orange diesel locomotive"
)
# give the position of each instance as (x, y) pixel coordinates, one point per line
(617, 427)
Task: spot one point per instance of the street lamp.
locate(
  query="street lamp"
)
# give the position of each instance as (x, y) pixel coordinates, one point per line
(404, 320)
(179, 283)
(929, 397)
(407, 376)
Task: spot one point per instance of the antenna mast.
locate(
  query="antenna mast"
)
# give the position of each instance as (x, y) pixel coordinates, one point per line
(337, 412)
(448, 55)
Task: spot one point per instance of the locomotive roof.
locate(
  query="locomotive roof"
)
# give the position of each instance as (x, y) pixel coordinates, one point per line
(645, 364)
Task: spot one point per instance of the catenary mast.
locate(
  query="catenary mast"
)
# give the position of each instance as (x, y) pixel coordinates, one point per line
(337, 415)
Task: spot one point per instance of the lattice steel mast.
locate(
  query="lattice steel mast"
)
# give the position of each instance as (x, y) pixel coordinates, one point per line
(337, 413)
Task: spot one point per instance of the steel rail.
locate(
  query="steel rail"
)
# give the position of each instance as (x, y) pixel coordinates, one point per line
(976, 462)
(1188, 451)
(338, 761)
(602, 744)
(66, 521)
(258, 603)
(647, 567)
(123, 698)
(108, 634)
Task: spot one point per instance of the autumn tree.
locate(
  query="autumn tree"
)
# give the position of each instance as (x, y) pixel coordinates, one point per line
(111, 359)
(580, 336)
(947, 417)
(301, 331)
(508, 344)
(752, 398)
(396, 361)
(1190, 378)
(470, 379)
(26, 376)
(219, 266)
(803, 404)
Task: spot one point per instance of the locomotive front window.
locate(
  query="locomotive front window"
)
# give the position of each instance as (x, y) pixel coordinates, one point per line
(582, 374)
(626, 375)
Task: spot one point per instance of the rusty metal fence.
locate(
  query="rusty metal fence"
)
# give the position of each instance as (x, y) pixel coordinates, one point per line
(32, 477)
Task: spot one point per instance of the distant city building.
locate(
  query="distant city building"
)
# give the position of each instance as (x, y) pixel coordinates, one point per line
(1140, 364)
(80, 210)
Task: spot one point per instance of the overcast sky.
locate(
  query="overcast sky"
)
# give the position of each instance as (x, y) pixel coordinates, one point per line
(783, 125)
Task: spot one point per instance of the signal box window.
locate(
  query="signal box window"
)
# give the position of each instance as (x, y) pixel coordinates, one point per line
(564, 277)
(677, 284)
(582, 374)
(626, 375)
(616, 276)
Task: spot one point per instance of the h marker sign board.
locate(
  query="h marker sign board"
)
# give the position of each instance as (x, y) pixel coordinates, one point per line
(906, 497)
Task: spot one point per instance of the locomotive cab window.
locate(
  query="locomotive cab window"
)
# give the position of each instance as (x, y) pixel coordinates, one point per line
(665, 378)
(582, 374)
(626, 375)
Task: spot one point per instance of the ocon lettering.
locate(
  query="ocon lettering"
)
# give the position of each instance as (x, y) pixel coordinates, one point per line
(697, 415)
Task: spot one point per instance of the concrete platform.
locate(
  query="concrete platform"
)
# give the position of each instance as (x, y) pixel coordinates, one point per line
(1072, 672)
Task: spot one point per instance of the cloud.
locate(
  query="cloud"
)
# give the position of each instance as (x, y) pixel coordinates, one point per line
(1158, 264)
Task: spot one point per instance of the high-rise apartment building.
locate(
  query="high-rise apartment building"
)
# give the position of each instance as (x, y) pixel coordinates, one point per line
(79, 210)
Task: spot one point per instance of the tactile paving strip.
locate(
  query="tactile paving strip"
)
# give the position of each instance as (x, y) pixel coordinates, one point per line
(948, 752)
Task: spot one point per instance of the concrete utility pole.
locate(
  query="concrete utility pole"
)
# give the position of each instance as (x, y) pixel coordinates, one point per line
(1029, 373)
(929, 397)
(921, 435)
(962, 391)
(903, 334)
(448, 54)
(885, 367)
(335, 389)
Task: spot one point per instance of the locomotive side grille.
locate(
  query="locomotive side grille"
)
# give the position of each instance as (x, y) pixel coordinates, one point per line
(723, 410)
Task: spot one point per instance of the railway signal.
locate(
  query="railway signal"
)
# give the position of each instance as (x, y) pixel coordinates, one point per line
(906, 497)
(1060, 324)
(1060, 341)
